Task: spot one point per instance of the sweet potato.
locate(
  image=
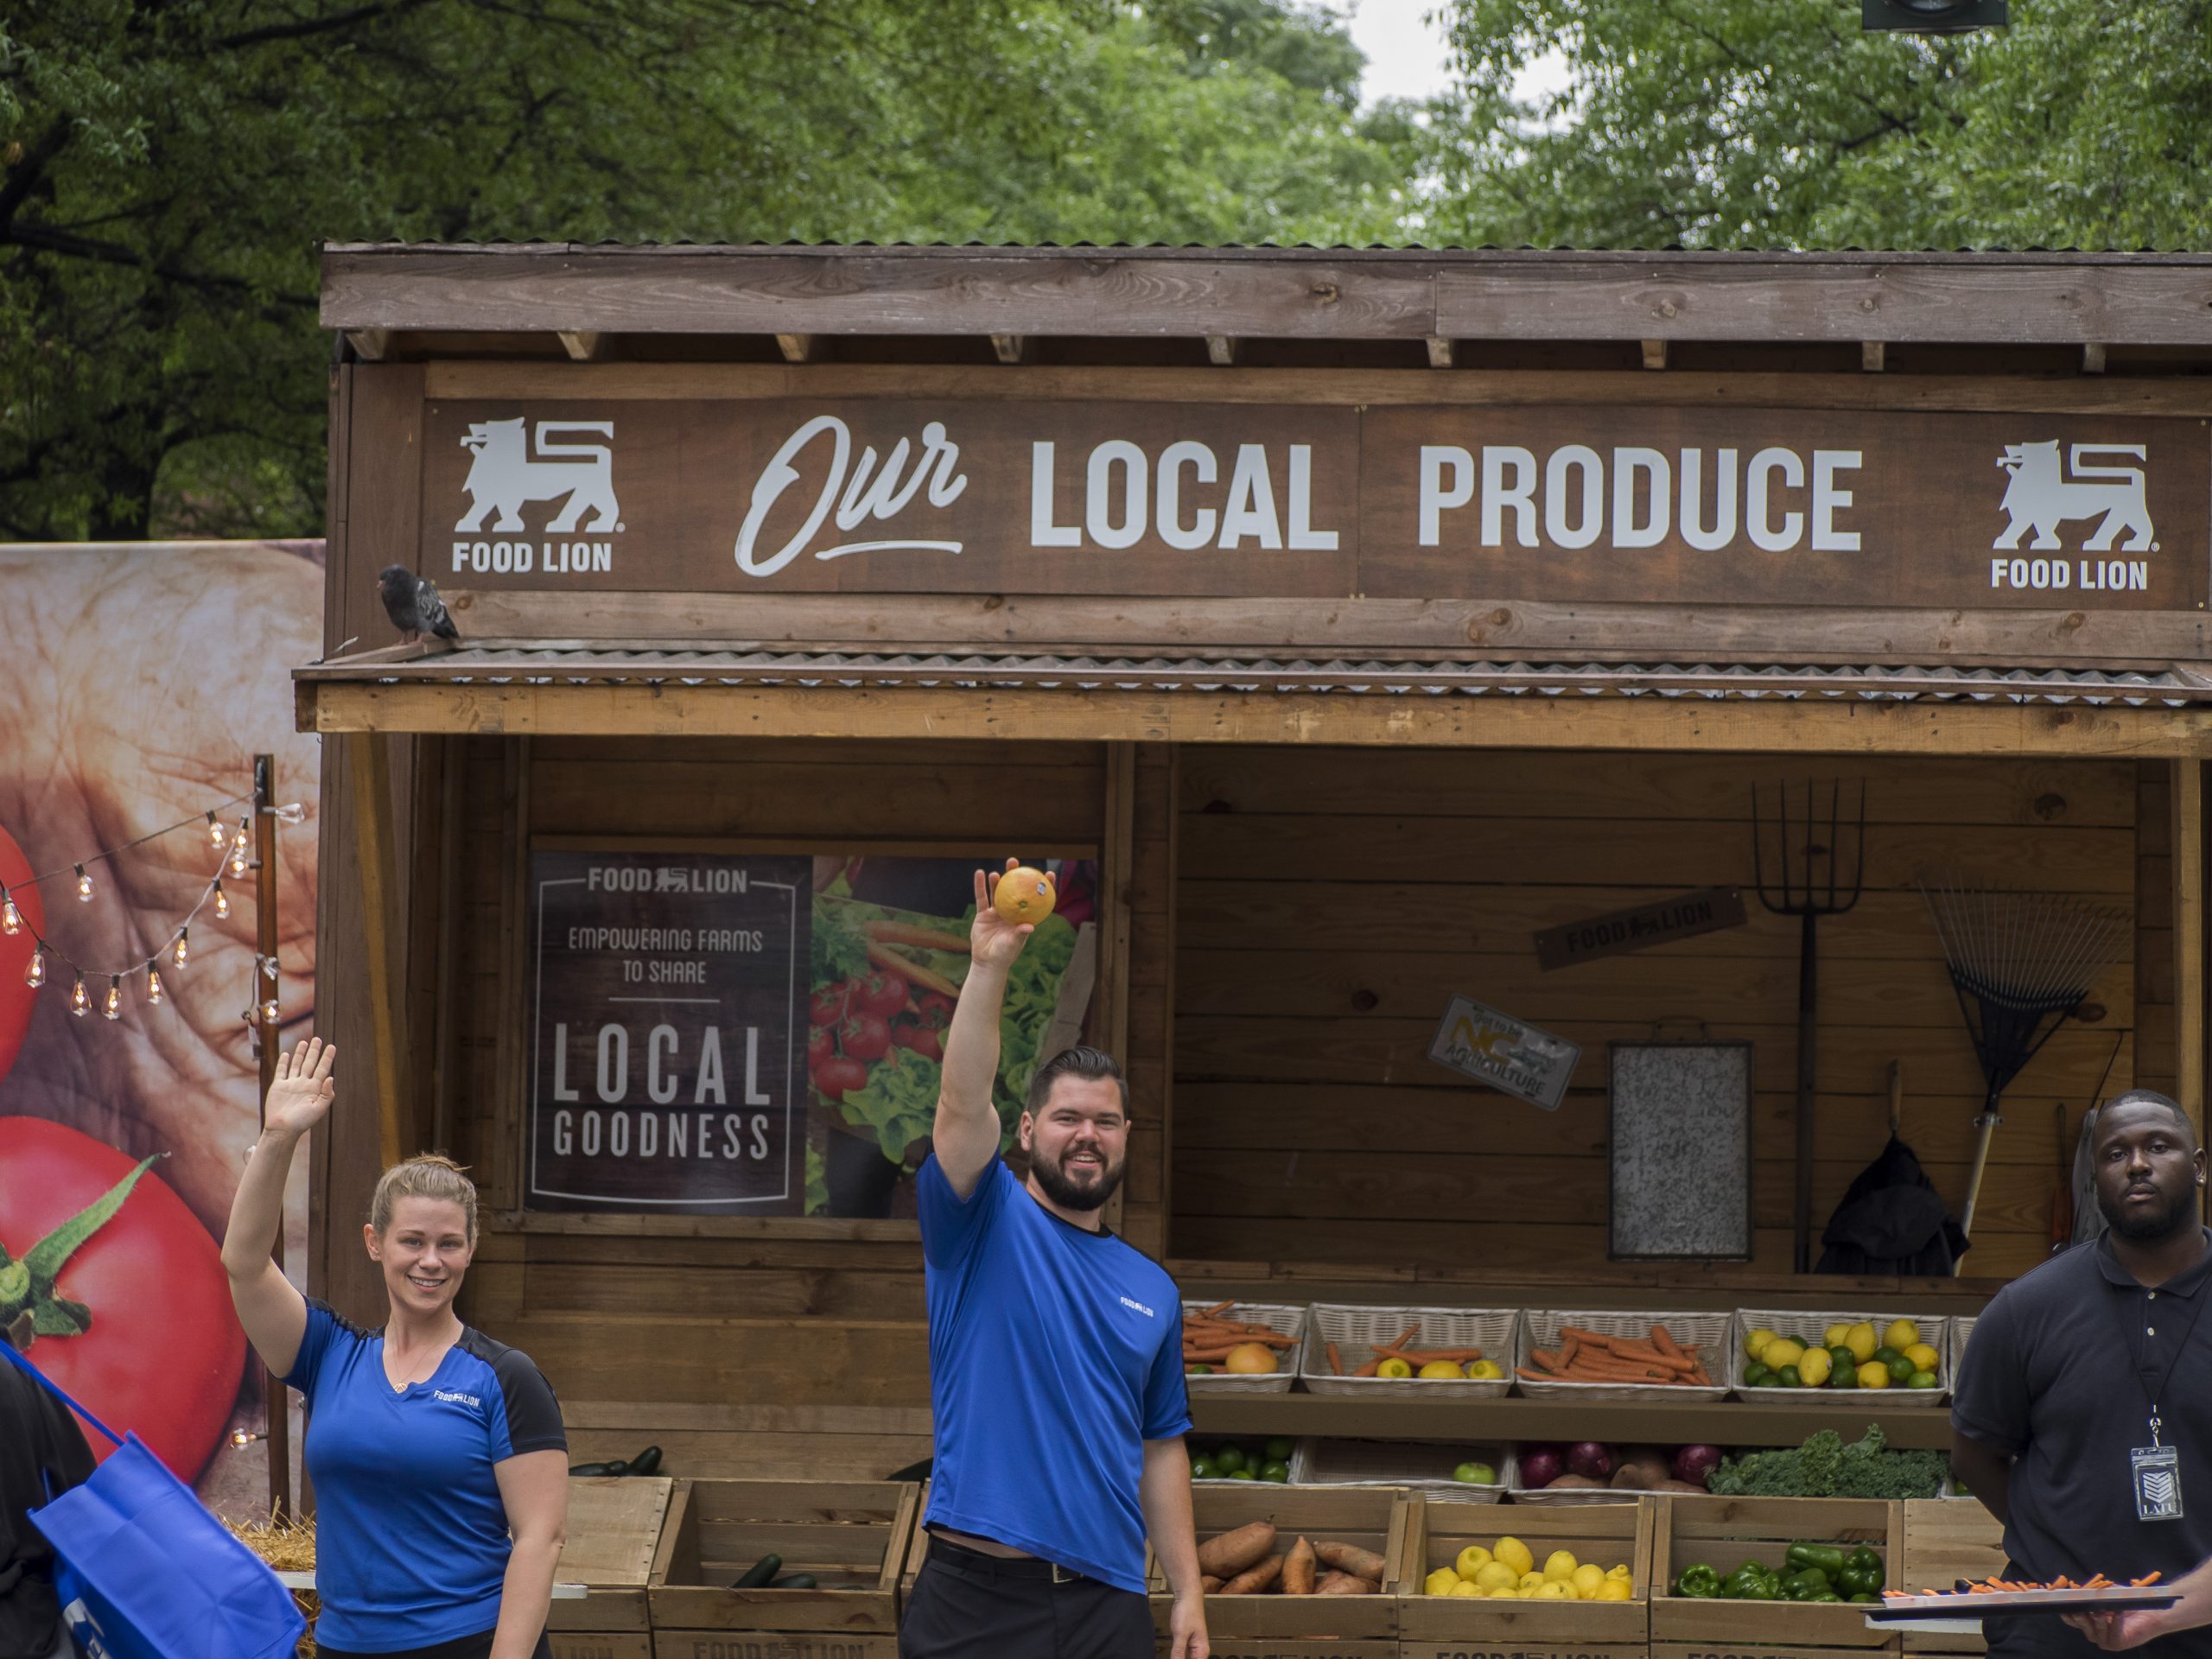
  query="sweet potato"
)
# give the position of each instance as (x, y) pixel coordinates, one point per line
(1350, 1558)
(1233, 1551)
(1208, 1583)
(1345, 1583)
(1298, 1570)
(1576, 1484)
(1256, 1580)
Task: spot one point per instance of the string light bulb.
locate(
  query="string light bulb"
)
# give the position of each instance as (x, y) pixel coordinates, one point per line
(214, 831)
(81, 1000)
(222, 903)
(113, 1006)
(270, 1013)
(153, 985)
(238, 858)
(35, 976)
(84, 885)
(178, 955)
(11, 919)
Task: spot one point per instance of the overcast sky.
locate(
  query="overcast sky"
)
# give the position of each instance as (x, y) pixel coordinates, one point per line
(1407, 56)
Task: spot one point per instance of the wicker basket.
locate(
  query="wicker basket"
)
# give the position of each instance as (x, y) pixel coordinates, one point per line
(1807, 1324)
(1356, 1330)
(1954, 1354)
(1713, 1335)
(1280, 1317)
(1326, 1461)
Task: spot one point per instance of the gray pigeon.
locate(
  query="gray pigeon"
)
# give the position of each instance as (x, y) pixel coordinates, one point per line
(412, 603)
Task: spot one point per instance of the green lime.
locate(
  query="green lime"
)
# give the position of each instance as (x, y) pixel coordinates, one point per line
(1921, 1380)
(1757, 1375)
(1886, 1354)
(1203, 1469)
(1900, 1369)
(1844, 1376)
(1787, 1377)
(1240, 1474)
(1227, 1459)
(1843, 1359)
(1280, 1447)
(1276, 1471)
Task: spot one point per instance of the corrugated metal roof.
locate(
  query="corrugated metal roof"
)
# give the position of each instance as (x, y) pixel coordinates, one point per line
(574, 665)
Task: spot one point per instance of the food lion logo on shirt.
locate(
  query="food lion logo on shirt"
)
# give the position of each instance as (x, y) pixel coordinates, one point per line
(457, 1399)
(1139, 1306)
(2042, 495)
(505, 477)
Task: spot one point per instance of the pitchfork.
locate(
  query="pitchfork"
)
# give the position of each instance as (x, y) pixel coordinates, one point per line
(1805, 892)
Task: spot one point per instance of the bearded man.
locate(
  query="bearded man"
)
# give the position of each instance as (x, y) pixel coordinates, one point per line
(2081, 1420)
(1056, 1366)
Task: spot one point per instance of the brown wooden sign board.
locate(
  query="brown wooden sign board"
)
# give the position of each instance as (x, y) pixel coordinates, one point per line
(945, 495)
(1618, 933)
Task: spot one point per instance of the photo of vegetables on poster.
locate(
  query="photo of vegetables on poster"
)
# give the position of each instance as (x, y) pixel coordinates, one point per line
(889, 953)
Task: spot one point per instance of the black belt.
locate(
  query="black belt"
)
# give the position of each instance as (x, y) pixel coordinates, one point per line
(979, 1564)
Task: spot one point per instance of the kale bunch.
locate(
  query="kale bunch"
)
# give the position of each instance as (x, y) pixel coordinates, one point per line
(1825, 1467)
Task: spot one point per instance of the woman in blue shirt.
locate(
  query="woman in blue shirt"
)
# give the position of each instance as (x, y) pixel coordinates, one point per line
(440, 1468)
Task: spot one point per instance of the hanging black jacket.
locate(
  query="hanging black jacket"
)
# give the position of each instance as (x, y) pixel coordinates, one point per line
(40, 1445)
(1893, 1220)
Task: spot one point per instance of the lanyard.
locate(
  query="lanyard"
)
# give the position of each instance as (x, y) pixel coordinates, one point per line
(2130, 1340)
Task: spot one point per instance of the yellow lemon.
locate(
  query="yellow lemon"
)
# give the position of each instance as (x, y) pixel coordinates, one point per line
(1924, 1358)
(1619, 1570)
(1862, 1341)
(1506, 1594)
(1437, 1370)
(1814, 1367)
(1614, 1590)
(1532, 1582)
(1515, 1554)
(1755, 1340)
(1836, 1335)
(1901, 1335)
(1471, 1561)
(1442, 1582)
(1399, 1368)
(1874, 1375)
(1463, 1588)
(1496, 1575)
(1782, 1352)
(1485, 1370)
(1587, 1578)
(1554, 1590)
(1560, 1564)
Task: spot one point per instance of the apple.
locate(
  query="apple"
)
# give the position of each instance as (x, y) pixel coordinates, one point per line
(1476, 1474)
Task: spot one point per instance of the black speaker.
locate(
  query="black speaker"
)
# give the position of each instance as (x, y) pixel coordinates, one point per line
(1931, 16)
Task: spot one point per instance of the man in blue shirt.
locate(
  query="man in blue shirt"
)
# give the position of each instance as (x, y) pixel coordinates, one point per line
(1056, 1367)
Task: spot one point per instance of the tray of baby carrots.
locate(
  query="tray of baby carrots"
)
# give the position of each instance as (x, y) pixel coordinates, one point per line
(1973, 1597)
(1583, 1355)
(1242, 1347)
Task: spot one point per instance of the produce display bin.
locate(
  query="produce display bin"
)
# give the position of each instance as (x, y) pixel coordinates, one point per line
(853, 1535)
(1724, 1533)
(1208, 1444)
(615, 1531)
(1809, 1325)
(1371, 1518)
(1282, 1317)
(1713, 1334)
(1446, 1627)
(1355, 1329)
(1324, 1461)
(1946, 1541)
(1955, 1350)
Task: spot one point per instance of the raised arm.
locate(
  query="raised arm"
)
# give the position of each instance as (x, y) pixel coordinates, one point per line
(274, 1313)
(966, 1134)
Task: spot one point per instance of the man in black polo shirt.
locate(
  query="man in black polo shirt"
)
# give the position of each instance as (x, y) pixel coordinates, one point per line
(2083, 1415)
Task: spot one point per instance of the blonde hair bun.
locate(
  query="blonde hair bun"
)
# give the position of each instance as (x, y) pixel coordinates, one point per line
(431, 1175)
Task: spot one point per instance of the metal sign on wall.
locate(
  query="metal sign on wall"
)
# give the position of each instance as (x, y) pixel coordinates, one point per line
(667, 1028)
(945, 495)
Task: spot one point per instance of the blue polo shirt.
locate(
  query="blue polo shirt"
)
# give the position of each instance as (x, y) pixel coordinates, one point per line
(411, 1539)
(1055, 1353)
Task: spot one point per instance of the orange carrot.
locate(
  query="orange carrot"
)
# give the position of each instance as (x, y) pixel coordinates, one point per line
(1369, 1369)
(1336, 1360)
(1549, 1360)
(1569, 1346)
(1663, 1340)
(1408, 1334)
(1218, 1309)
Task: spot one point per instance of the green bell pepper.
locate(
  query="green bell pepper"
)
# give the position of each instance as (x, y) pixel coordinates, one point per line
(1699, 1581)
(1863, 1599)
(1866, 1563)
(1826, 1557)
(1859, 1581)
(1752, 1581)
(1803, 1586)
(1828, 1595)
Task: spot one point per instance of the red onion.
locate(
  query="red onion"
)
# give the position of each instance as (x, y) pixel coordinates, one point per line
(1589, 1459)
(1540, 1466)
(1694, 1463)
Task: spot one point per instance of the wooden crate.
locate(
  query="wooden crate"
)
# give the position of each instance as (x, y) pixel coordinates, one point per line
(853, 1535)
(1268, 1646)
(1725, 1532)
(615, 1528)
(1437, 1529)
(599, 1644)
(1946, 1539)
(1372, 1517)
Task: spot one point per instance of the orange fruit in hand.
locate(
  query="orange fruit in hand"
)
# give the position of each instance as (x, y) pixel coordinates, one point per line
(1023, 895)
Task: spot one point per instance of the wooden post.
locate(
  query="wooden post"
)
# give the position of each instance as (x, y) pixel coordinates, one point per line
(2187, 808)
(373, 845)
(1117, 850)
(269, 1018)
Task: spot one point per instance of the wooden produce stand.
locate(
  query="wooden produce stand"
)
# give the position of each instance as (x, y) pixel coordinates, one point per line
(1947, 1539)
(1371, 634)
(1330, 1627)
(615, 1531)
(1725, 1532)
(1440, 1627)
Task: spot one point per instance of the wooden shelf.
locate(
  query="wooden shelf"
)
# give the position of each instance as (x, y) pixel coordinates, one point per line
(1724, 1422)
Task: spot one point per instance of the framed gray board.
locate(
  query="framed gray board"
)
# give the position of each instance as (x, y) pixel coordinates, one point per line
(1679, 1136)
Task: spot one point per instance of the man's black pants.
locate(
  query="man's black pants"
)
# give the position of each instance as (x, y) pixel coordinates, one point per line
(969, 1606)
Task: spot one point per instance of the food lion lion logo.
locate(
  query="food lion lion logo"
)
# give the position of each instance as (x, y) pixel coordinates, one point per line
(2042, 496)
(504, 475)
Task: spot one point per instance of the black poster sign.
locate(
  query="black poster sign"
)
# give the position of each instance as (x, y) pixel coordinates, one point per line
(667, 1032)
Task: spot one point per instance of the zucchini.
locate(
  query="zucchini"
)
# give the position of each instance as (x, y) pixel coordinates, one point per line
(647, 1462)
(618, 1466)
(794, 1581)
(760, 1573)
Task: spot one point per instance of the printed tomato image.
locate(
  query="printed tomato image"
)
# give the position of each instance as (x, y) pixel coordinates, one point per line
(16, 999)
(124, 1288)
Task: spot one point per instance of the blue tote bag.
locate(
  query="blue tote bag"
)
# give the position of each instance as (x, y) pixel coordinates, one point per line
(146, 1572)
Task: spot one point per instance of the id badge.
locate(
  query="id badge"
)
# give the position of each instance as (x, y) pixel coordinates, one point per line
(2156, 1471)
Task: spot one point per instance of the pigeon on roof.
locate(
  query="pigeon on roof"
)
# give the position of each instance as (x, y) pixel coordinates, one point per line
(412, 603)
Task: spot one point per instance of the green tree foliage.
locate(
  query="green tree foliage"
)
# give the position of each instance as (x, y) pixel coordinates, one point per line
(168, 169)
(1777, 123)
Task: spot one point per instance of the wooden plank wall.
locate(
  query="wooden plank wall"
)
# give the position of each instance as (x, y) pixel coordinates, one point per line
(763, 1348)
(1330, 902)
